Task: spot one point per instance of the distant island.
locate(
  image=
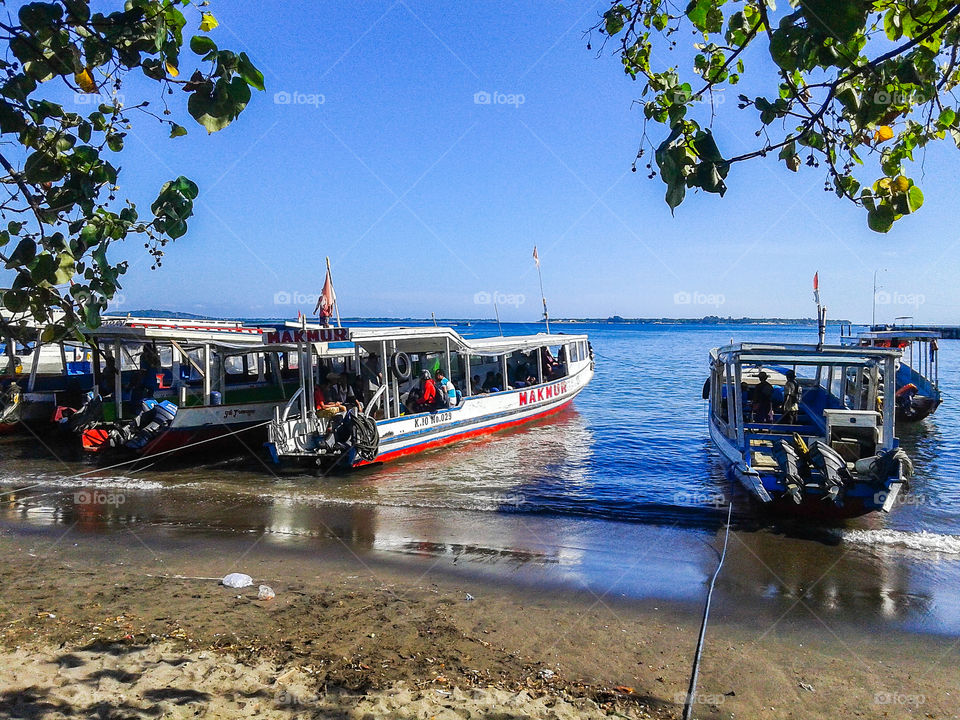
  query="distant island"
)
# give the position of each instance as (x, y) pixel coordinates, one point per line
(613, 320)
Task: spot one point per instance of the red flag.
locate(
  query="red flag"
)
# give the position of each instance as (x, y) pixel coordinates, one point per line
(535, 256)
(816, 287)
(327, 297)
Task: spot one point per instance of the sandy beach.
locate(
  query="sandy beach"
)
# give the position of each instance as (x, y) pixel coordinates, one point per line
(137, 625)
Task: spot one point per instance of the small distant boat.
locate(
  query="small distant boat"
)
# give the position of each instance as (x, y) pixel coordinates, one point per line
(918, 371)
(835, 455)
(499, 382)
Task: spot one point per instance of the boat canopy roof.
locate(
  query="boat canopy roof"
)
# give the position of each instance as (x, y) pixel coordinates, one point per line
(435, 339)
(224, 332)
(905, 334)
(770, 354)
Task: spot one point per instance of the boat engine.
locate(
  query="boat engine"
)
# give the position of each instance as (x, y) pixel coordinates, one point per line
(832, 467)
(789, 462)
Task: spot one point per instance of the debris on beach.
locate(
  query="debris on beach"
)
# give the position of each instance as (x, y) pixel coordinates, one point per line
(237, 580)
(265, 592)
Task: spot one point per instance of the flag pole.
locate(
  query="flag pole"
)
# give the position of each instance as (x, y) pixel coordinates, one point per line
(497, 311)
(543, 298)
(336, 303)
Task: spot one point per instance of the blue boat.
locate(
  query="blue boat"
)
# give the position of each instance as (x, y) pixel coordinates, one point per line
(806, 429)
(918, 392)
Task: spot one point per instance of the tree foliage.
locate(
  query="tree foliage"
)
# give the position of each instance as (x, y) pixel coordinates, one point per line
(60, 204)
(858, 88)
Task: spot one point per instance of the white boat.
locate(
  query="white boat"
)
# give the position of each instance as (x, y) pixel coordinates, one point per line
(209, 381)
(836, 456)
(538, 375)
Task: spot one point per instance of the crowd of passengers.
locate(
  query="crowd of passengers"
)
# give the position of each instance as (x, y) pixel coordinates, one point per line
(337, 392)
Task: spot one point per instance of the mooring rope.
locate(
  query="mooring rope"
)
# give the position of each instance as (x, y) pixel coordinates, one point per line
(171, 450)
(691, 691)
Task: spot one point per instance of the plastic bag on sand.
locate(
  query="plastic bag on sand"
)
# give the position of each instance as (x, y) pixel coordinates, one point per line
(237, 580)
(266, 593)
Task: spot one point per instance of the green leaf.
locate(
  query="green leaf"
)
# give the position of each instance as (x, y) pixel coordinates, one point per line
(16, 301)
(249, 72)
(914, 198)
(177, 130)
(65, 269)
(881, 219)
(24, 253)
(201, 44)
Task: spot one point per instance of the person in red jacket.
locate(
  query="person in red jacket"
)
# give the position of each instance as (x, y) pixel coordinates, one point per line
(428, 391)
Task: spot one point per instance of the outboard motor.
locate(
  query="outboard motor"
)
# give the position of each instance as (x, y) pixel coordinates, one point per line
(789, 463)
(832, 467)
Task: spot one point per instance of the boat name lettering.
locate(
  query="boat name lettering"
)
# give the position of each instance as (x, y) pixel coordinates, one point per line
(237, 412)
(542, 393)
(277, 337)
(428, 420)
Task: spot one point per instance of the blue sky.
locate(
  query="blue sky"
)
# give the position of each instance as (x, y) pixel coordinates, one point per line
(426, 200)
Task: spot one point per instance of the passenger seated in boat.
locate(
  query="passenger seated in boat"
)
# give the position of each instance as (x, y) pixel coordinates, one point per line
(477, 386)
(341, 391)
(499, 384)
(448, 391)
(490, 382)
(762, 400)
(745, 398)
(551, 368)
(411, 404)
(428, 392)
(324, 402)
(791, 399)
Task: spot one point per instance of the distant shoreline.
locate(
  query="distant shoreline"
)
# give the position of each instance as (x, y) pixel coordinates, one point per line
(614, 320)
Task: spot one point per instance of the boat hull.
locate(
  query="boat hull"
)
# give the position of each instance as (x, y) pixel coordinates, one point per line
(199, 430)
(859, 499)
(476, 416)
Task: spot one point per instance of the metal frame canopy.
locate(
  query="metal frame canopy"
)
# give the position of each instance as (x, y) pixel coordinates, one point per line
(851, 355)
(905, 334)
(145, 329)
(438, 339)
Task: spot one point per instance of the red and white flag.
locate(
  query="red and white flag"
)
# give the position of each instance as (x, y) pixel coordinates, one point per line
(816, 287)
(327, 297)
(536, 257)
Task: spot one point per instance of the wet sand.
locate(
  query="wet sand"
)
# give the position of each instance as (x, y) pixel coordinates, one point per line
(134, 623)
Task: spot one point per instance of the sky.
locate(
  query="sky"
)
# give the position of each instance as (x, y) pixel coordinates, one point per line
(373, 145)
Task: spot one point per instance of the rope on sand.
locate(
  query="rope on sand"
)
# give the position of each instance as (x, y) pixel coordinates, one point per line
(691, 691)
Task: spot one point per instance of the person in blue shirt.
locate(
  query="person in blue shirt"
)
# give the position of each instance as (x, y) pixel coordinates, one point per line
(447, 389)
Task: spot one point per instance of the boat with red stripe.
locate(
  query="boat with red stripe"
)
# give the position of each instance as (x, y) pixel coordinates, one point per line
(423, 388)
